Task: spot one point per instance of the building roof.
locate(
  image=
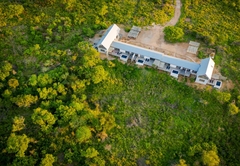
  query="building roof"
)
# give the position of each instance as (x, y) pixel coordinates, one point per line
(155, 55)
(192, 49)
(206, 67)
(135, 28)
(192, 43)
(180, 62)
(134, 32)
(109, 36)
(137, 50)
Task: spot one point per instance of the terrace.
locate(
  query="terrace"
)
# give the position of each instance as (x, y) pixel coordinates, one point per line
(140, 61)
(149, 62)
(181, 70)
(124, 57)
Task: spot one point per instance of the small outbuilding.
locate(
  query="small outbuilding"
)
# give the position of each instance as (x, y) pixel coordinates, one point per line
(134, 32)
(193, 47)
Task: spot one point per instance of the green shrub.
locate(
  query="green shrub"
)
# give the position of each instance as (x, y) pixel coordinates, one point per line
(127, 29)
(233, 109)
(173, 34)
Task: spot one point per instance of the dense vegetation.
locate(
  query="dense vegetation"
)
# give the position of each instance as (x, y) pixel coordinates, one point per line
(61, 104)
(216, 24)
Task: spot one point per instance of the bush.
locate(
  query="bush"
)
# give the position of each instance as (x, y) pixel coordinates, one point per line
(88, 32)
(233, 109)
(173, 34)
(127, 29)
(201, 55)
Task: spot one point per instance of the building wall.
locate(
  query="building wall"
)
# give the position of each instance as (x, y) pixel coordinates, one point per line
(102, 49)
(201, 80)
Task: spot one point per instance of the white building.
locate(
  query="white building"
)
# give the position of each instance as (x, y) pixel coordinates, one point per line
(204, 73)
(109, 44)
(106, 40)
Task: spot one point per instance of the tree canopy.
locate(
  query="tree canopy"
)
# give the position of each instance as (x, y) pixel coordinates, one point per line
(62, 104)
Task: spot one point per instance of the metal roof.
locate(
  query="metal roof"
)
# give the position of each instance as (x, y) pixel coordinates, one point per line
(108, 37)
(192, 43)
(135, 28)
(192, 49)
(206, 67)
(137, 50)
(134, 32)
(181, 62)
(155, 55)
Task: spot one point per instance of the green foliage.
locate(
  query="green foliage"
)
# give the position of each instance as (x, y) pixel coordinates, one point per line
(25, 100)
(94, 112)
(78, 85)
(44, 79)
(24, 161)
(233, 109)
(5, 69)
(107, 121)
(83, 134)
(210, 158)
(14, 10)
(201, 55)
(18, 123)
(17, 144)
(206, 23)
(47, 93)
(99, 74)
(43, 118)
(88, 32)
(91, 58)
(7, 93)
(66, 112)
(48, 160)
(90, 153)
(182, 163)
(33, 80)
(223, 97)
(173, 34)
(127, 29)
(13, 83)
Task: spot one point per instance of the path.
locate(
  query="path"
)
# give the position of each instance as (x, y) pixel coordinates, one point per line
(177, 14)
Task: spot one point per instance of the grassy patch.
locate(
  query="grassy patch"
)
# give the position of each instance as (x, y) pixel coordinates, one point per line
(159, 119)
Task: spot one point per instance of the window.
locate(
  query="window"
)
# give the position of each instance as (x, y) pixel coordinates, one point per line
(193, 71)
(102, 50)
(175, 71)
(201, 80)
